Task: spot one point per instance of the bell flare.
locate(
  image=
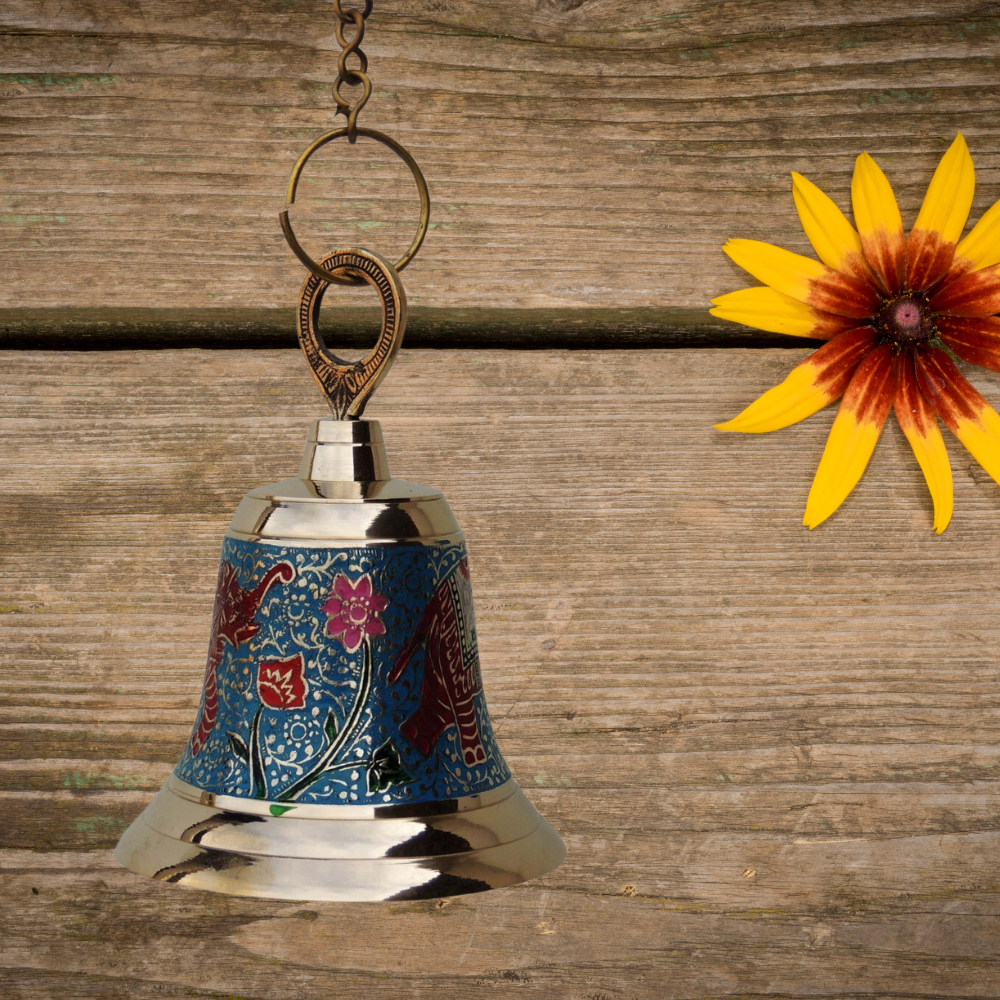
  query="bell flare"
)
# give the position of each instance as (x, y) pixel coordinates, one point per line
(469, 846)
(342, 748)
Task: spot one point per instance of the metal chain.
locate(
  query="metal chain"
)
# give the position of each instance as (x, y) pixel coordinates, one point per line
(352, 77)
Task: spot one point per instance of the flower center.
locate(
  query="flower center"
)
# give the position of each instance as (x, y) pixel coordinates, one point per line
(905, 320)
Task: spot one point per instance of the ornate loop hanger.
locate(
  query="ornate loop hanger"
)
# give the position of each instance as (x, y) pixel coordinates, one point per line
(348, 385)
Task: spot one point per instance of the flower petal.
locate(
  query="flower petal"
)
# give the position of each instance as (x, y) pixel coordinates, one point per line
(819, 380)
(854, 434)
(337, 626)
(363, 587)
(834, 239)
(879, 223)
(965, 413)
(332, 606)
(975, 294)
(949, 195)
(917, 421)
(343, 587)
(804, 279)
(374, 626)
(931, 245)
(352, 639)
(766, 309)
(981, 248)
(973, 339)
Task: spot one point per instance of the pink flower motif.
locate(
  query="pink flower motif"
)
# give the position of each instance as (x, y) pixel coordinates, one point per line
(354, 611)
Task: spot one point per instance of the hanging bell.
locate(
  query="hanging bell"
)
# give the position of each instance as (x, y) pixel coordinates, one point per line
(343, 749)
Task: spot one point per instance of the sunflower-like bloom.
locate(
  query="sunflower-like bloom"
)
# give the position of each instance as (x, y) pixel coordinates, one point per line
(893, 309)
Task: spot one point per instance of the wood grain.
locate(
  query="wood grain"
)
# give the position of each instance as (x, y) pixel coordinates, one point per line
(689, 684)
(587, 154)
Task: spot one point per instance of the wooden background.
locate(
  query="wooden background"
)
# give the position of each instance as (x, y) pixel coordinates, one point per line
(581, 155)
(772, 752)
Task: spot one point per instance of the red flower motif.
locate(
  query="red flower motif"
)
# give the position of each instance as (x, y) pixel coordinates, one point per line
(282, 683)
(354, 611)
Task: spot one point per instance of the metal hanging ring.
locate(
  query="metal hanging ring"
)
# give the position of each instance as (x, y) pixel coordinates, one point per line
(293, 182)
(348, 385)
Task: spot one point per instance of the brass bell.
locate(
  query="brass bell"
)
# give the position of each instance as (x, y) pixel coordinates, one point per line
(343, 749)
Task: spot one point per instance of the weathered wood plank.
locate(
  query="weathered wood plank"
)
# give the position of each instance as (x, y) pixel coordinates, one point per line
(580, 155)
(688, 683)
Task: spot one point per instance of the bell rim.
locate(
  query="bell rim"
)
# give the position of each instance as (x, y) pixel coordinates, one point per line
(388, 875)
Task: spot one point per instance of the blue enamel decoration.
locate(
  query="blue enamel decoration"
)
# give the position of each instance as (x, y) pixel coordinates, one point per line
(343, 676)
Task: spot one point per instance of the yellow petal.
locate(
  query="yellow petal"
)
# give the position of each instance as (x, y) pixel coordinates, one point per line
(981, 248)
(932, 456)
(916, 418)
(853, 436)
(766, 309)
(964, 411)
(795, 399)
(818, 380)
(982, 438)
(845, 458)
(879, 223)
(786, 272)
(874, 203)
(833, 238)
(949, 196)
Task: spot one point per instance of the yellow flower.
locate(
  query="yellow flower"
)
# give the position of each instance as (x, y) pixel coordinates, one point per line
(887, 305)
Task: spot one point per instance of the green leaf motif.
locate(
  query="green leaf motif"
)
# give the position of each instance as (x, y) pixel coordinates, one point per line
(330, 726)
(386, 769)
(239, 746)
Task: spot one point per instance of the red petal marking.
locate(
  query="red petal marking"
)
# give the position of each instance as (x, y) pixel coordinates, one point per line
(959, 266)
(975, 294)
(973, 339)
(844, 296)
(872, 388)
(946, 388)
(829, 325)
(856, 266)
(913, 412)
(836, 361)
(887, 257)
(928, 258)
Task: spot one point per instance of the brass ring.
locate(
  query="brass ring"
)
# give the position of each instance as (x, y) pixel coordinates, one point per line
(347, 385)
(293, 182)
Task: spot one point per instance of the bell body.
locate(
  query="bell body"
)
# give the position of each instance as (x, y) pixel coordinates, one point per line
(343, 749)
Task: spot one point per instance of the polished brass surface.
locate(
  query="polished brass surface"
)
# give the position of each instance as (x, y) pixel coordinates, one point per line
(340, 852)
(344, 493)
(293, 181)
(347, 385)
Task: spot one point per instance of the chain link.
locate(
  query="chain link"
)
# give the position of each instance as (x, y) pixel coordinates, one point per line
(346, 75)
(355, 77)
